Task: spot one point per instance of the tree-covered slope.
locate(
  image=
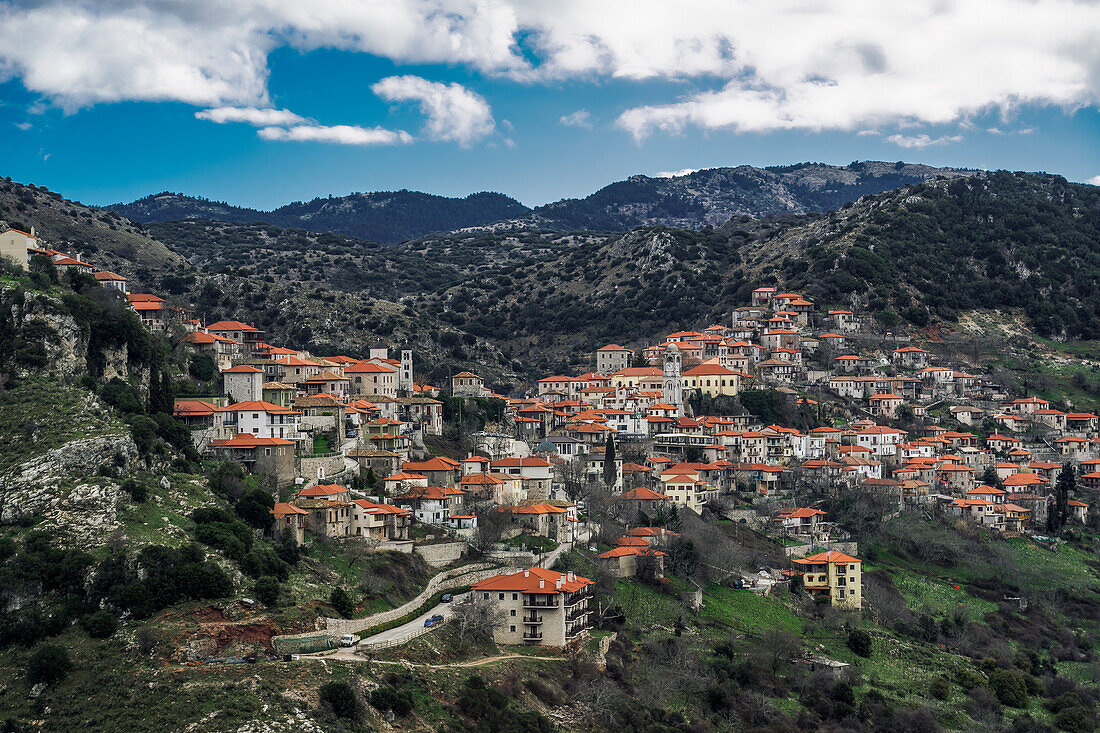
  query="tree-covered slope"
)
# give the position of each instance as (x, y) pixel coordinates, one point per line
(922, 253)
(713, 196)
(384, 216)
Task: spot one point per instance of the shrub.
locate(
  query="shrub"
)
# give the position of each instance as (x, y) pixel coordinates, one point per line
(342, 602)
(139, 492)
(146, 640)
(859, 642)
(100, 624)
(390, 698)
(267, 589)
(1076, 719)
(50, 665)
(340, 699)
(940, 688)
(1009, 686)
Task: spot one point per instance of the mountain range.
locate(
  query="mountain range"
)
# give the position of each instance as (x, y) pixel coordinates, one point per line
(709, 197)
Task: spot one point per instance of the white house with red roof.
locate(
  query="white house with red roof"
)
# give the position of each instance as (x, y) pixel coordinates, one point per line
(537, 606)
(262, 420)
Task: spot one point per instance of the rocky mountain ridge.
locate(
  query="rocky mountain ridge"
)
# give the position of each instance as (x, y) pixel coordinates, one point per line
(709, 197)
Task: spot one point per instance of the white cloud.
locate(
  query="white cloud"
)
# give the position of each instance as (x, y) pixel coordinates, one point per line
(676, 174)
(455, 114)
(341, 134)
(23, 125)
(250, 115)
(753, 66)
(1094, 181)
(921, 141)
(580, 118)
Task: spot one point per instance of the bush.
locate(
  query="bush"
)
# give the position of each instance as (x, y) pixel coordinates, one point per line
(340, 699)
(390, 698)
(255, 508)
(1009, 686)
(267, 589)
(859, 642)
(100, 624)
(1076, 719)
(50, 665)
(146, 640)
(139, 492)
(940, 688)
(342, 602)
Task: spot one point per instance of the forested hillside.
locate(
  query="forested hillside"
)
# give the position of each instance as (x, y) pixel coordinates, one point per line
(384, 216)
(920, 254)
(713, 196)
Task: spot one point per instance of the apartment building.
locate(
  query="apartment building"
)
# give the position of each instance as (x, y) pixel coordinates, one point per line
(539, 606)
(835, 576)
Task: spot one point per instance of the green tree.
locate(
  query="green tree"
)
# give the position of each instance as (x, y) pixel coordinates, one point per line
(100, 624)
(1058, 515)
(50, 665)
(267, 590)
(340, 699)
(859, 641)
(609, 472)
(342, 602)
(990, 477)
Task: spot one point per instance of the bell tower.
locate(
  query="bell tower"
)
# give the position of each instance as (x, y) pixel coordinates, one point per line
(673, 385)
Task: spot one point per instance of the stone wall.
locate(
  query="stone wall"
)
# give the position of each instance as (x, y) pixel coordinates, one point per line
(848, 548)
(332, 464)
(442, 554)
(448, 579)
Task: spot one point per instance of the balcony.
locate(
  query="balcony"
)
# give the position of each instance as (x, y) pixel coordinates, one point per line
(532, 619)
(576, 613)
(533, 603)
(533, 638)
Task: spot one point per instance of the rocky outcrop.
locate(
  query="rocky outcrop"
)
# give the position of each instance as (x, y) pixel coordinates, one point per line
(78, 507)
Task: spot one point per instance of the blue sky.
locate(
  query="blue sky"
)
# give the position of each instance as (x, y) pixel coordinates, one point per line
(537, 107)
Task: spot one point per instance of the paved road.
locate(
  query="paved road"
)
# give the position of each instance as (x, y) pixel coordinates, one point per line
(446, 610)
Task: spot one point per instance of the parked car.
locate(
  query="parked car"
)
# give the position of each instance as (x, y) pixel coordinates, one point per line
(349, 639)
(428, 622)
(447, 598)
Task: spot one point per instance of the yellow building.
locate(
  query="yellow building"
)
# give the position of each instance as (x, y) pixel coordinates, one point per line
(835, 576)
(712, 380)
(15, 246)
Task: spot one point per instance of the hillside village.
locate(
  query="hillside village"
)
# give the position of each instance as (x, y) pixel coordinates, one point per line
(762, 422)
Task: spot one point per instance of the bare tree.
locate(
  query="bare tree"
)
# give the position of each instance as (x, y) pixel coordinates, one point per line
(491, 524)
(476, 619)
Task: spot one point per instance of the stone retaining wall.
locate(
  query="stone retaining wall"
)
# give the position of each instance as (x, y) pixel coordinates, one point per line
(448, 579)
(848, 548)
(442, 554)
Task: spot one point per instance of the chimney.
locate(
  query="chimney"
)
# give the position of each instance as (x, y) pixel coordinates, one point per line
(542, 583)
(527, 573)
(32, 231)
(559, 584)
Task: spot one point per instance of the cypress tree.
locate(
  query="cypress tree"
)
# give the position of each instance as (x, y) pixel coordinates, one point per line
(609, 472)
(1067, 482)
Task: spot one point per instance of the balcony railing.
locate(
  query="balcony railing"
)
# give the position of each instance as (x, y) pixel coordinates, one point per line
(532, 619)
(532, 603)
(532, 637)
(576, 613)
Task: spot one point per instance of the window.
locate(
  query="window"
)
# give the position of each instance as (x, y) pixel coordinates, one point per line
(501, 597)
(486, 596)
(513, 612)
(512, 629)
(515, 596)
(841, 593)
